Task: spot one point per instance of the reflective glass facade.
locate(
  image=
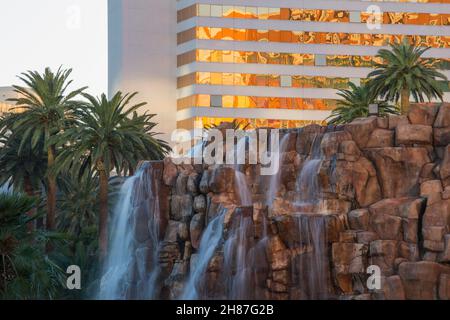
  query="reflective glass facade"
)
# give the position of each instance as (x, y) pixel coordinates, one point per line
(265, 58)
(313, 15)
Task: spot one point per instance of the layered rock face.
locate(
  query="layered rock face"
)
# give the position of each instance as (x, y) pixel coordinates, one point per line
(370, 195)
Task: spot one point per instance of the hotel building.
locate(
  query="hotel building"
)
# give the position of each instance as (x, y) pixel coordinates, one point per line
(276, 63)
(6, 106)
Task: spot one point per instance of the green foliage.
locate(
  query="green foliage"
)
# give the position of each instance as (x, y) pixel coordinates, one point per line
(77, 204)
(23, 169)
(110, 131)
(25, 272)
(355, 104)
(81, 135)
(47, 105)
(404, 68)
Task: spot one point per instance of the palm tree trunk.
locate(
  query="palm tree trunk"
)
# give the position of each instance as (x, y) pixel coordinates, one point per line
(405, 100)
(51, 193)
(28, 188)
(103, 218)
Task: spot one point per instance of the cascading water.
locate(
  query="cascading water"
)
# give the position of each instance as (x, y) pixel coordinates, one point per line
(307, 183)
(242, 189)
(275, 180)
(131, 267)
(238, 256)
(310, 268)
(5, 188)
(194, 288)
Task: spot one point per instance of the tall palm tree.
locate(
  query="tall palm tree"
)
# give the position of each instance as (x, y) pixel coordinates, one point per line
(355, 104)
(22, 170)
(46, 103)
(108, 135)
(404, 72)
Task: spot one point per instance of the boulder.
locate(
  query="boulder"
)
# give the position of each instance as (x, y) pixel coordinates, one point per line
(350, 150)
(351, 180)
(366, 237)
(181, 184)
(383, 122)
(183, 232)
(408, 251)
(172, 231)
(427, 172)
(387, 227)
(392, 288)
(365, 183)
(396, 219)
(381, 138)
(398, 169)
(200, 203)
(441, 136)
(204, 182)
(170, 172)
(420, 279)
(348, 259)
(331, 140)
(361, 129)
(445, 256)
(423, 113)
(277, 254)
(446, 194)
(410, 229)
(396, 120)
(348, 236)
(411, 134)
(193, 183)
(359, 219)
(260, 213)
(430, 187)
(443, 116)
(181, 207)
(222, 180)
(444, 287)
(383, 253)
(306, 138)
(437, 214)
(444, 171)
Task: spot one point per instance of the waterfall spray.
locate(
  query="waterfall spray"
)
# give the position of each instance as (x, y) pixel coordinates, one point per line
(211, 237)
(131, 267)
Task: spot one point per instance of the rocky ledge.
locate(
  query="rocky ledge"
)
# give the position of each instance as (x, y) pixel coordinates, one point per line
(382, 194)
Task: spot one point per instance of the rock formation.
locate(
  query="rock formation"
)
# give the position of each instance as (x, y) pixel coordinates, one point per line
(379, 195)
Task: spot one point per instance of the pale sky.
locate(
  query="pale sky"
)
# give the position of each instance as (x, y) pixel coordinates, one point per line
(39, 33)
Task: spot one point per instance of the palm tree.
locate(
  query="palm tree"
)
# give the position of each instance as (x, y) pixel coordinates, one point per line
(46, 104)
(404, 72)
(22, 170)
(25, 273)
(108, 135)
(355, 104)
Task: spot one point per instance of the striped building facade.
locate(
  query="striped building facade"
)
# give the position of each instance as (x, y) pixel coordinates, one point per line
(279, 63)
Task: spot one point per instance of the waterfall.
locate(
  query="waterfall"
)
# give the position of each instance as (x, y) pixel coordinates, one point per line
(5, 188)
(209, 242)
(238, 264)
(275, 180)
(307, 182)
(242, 189)
(131, 267)
(310, 268)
